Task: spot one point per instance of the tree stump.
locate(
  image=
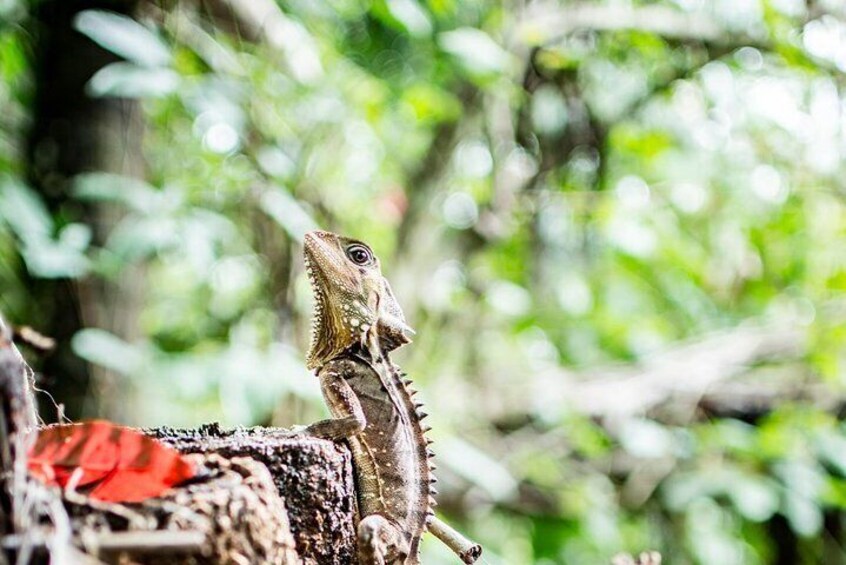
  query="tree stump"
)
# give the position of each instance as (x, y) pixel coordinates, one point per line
(313, 477)
(263, 496)
(233, 515)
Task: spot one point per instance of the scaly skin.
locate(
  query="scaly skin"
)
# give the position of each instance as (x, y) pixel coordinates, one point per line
(357, 322)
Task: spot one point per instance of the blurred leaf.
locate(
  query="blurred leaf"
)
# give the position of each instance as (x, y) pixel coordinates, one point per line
(287, 212)
(756, 498)
(802, 477)
(106, 349)
(109, 187)
(126, 80)
(476, 51)
(804, 515)
(647, 439)
(50, 260)
(135, 238)
(123, 36)
(411, 15)
(432, 104)
(45, 257)
(75, 236)
(587, 437)
(24, 211)
(10, 12)
(832, 449)
(683, 488)
(13, 58)
(549, 111)
(557, 60)
(804, 484)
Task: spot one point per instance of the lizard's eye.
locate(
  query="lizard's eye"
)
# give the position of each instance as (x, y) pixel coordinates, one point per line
(359, 254)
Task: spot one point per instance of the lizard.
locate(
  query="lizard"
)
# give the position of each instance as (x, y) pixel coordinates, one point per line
(356, 323)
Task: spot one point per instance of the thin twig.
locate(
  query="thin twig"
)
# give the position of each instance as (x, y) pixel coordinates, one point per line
(468, 551)
(163, 542)
(35, 339)
(153, 541)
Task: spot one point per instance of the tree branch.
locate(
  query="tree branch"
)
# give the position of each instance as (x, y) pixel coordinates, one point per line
(548, 22)
(686, 371)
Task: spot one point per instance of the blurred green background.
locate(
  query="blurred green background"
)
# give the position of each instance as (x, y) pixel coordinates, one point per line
(617, 227)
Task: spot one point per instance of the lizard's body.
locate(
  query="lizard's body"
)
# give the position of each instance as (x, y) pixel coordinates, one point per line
(390, 456)
(357, 323)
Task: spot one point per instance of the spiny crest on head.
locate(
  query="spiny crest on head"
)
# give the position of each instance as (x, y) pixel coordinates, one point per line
(353, 303)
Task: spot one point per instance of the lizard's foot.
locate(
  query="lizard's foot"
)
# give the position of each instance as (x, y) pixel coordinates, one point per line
(380, 542)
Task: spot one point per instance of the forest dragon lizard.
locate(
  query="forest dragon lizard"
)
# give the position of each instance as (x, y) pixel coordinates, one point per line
(356, 323)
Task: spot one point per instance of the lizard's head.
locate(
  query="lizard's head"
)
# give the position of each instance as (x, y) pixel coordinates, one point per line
(353, 303)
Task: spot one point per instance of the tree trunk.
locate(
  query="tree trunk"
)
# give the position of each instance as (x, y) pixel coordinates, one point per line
(74, 133)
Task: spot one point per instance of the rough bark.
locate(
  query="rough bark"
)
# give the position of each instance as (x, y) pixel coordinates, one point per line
(313, 476)
(234, 515)
(17, 417)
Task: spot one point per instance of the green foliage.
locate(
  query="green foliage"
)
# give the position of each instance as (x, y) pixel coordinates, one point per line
(542, 205)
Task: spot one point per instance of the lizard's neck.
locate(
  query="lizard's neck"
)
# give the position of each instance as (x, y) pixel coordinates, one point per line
(377, 358)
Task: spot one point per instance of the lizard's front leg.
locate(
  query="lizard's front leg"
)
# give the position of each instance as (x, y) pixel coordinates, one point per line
(349, 418)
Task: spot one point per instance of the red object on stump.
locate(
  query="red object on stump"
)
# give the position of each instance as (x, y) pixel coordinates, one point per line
(106, 461)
